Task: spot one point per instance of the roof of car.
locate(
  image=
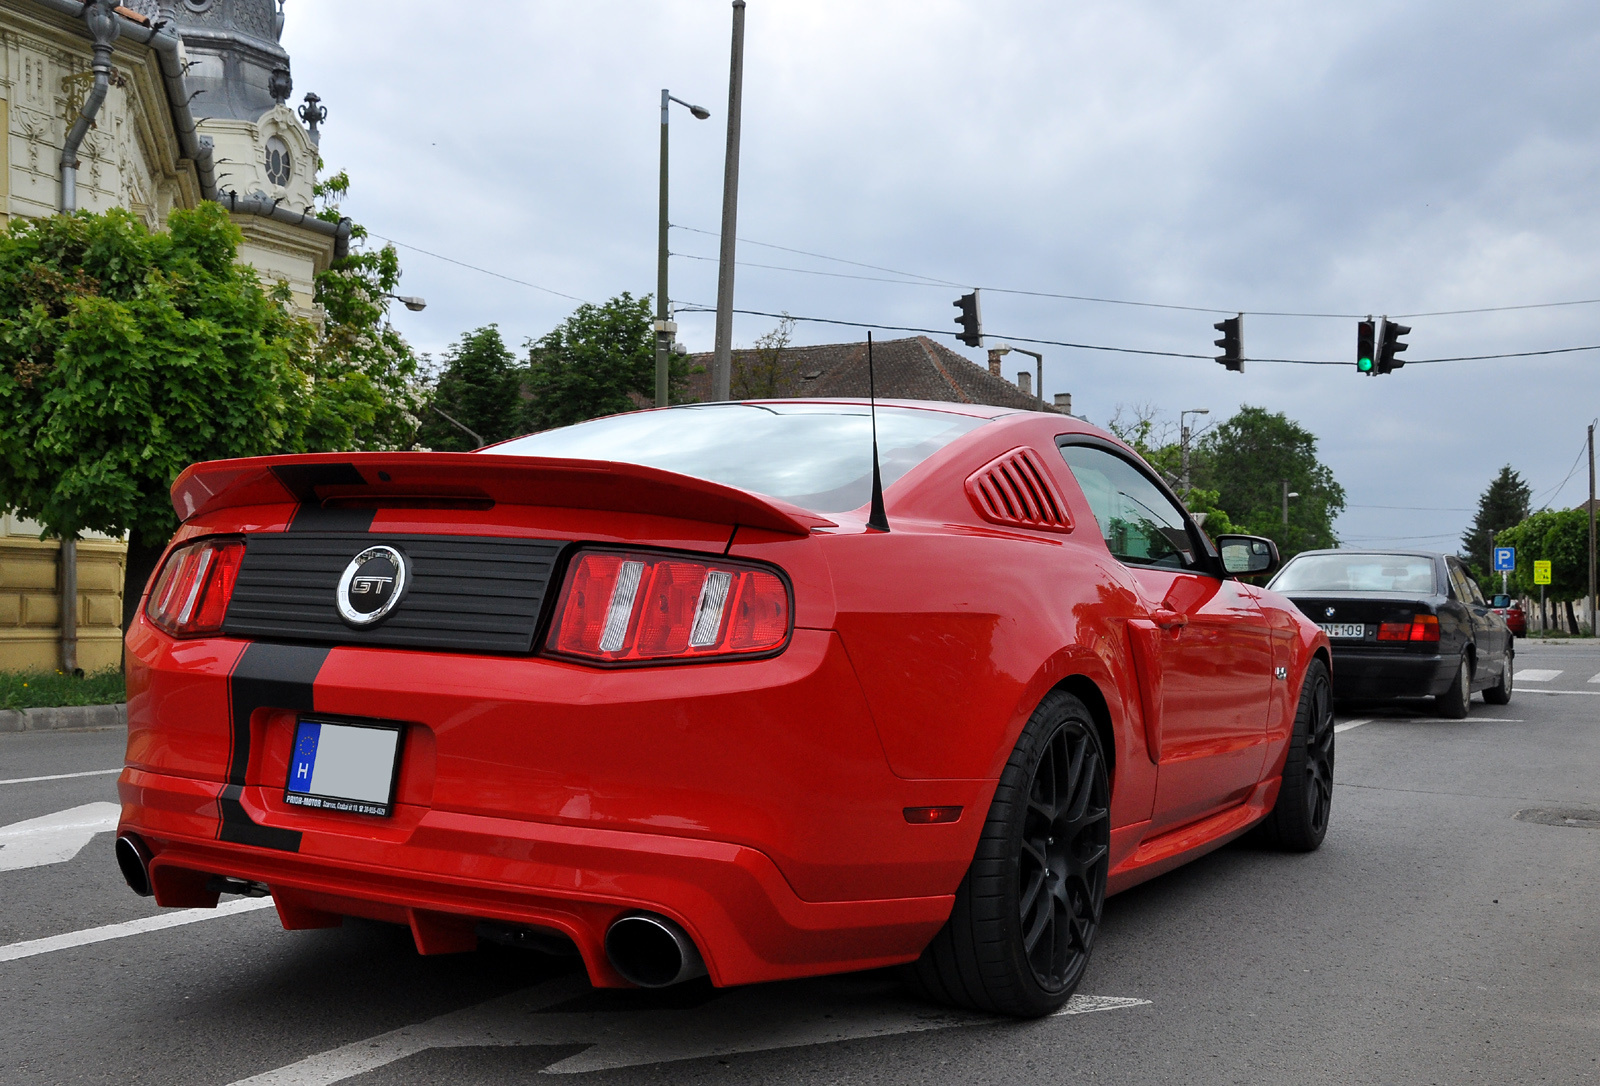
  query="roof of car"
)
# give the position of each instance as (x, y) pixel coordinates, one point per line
(1406, 551)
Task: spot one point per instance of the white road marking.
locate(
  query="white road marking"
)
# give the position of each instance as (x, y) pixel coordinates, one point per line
(1347, 725)
(62, 776)
(1589, 693)
(12, 951)
(756, 1019)
(1536, 674)
(1595, 679)
(54, 838)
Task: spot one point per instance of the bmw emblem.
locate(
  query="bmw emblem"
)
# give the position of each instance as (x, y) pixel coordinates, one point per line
(1329, 612)
(371, 586)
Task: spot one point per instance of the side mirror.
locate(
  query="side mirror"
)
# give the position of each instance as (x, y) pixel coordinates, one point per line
(1500, 601)
(1247, 555)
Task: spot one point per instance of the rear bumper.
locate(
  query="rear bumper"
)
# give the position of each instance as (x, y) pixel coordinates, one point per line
(448, 870)
(1368, 673)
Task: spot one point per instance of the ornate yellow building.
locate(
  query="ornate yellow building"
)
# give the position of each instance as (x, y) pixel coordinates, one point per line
(149, 105)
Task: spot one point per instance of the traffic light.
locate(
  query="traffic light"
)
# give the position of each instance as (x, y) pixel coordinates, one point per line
(970, 323)
(1389, 344)
(1232, 343)
(1364, 351)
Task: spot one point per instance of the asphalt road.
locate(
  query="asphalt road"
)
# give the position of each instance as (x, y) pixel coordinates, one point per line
(1435, 938)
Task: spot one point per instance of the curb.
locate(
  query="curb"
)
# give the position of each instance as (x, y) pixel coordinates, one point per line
(64, 718)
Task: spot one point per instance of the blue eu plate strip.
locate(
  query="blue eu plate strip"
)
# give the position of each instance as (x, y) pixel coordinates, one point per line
(305, 756)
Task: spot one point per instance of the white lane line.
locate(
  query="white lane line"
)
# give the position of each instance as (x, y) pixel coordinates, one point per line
(1537, 674)
(31, 947)
(54, 838)
(62, 776)
(1347, 725)
(760, 1018)
(1590, 693)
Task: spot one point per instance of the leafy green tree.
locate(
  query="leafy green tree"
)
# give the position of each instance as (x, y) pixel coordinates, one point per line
(126, 356)
(480, 388)
(769, 369)
(1503, 504)
(370, 393)
(595, 363)
(1246, 460)
(1560, 537)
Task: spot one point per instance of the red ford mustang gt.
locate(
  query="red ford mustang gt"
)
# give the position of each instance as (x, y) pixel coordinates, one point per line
(653, 687)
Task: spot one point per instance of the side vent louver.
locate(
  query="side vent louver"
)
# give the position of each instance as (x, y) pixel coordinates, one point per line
(1014, 490)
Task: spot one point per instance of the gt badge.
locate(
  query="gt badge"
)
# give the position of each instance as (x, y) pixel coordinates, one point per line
(1280, 672)
(371, 586)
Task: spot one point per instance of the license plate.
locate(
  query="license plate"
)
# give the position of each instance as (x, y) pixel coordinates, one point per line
(344, 767)
(1346, 630)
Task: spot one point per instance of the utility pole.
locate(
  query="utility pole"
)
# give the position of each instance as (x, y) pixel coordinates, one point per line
(1287, 494)
(722, 360)
(1592, 630)
(1184, 434)
(666, 327)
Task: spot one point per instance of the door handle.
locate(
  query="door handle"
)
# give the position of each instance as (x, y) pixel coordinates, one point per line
(1168, 620)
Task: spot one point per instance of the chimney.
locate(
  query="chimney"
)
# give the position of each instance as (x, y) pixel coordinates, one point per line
(995, 354)
(1025, 382)
(1064, 402)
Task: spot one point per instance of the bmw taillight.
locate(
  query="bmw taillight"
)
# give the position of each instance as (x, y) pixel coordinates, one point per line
(191, 594)
(1420, 628)
(623, 607)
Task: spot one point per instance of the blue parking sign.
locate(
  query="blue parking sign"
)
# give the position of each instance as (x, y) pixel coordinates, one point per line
(1505, 559)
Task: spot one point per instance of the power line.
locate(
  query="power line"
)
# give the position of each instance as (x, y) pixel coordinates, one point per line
(927, 280)
(485, 271)
(1575, 461)
(817, 271)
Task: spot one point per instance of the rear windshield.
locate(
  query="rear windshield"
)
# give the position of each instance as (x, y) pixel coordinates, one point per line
(818, 456)
(1357, 573)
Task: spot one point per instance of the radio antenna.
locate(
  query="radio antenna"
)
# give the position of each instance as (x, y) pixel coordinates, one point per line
(877, 520)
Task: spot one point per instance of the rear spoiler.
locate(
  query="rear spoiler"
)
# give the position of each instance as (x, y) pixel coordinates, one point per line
(477, 480)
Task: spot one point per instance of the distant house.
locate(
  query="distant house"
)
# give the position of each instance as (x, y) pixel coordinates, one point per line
(916, 368)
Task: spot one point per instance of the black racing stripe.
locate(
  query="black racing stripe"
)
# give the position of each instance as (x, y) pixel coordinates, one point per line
(312, 517)
(266, 677)
(302, 481)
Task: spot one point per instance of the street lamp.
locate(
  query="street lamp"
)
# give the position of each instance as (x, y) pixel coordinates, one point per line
(1287, 494)
(666, 328)
(1038, 361)
(410, 301)
(1183, 442)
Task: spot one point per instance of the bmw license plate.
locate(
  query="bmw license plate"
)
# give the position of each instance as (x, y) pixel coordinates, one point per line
(1344, 630)
(344, 767)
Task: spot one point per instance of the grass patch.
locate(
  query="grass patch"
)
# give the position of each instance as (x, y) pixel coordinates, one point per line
(47, 689)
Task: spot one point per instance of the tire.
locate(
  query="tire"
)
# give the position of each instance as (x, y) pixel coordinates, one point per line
(1299, 820)
(1500, 692)
(1453, 703)
(1027, 912)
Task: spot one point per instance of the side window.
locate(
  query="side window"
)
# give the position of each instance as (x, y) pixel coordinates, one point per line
(1459, 583)
(1139, 523)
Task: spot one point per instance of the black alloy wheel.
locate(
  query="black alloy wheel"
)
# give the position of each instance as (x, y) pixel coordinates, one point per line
(1299, 820)
(1026, 915)
(1454, 703)
(1500, 692)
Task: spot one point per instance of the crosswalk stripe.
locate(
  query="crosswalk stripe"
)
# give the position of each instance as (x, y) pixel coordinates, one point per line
(1537, 675)
(31, 947)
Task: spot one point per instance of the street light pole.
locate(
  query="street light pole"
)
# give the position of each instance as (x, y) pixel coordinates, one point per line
(1287, 494)
(1183, 442)
(666, 329)
(722, 360)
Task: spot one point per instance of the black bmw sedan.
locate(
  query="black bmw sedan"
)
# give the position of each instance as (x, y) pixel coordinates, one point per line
(1403, 624)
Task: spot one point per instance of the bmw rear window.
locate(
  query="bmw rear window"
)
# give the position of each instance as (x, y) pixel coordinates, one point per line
(1357, 573)
(818, 456)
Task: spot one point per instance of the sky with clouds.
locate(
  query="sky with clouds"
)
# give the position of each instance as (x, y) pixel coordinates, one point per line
(1402, 157)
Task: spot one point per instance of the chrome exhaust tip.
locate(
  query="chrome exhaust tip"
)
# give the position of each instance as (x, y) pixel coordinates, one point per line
(134, 860)
(652, 951)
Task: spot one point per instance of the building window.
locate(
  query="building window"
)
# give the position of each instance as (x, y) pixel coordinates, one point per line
(279, 162)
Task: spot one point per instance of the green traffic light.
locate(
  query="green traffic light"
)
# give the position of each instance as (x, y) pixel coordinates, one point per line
(1364, 365)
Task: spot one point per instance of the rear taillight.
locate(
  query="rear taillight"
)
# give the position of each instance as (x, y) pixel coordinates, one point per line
(1420, 628)
(636, 607)
(191, 595)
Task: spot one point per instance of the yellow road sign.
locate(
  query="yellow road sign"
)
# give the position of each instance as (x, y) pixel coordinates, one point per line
(1541, 573)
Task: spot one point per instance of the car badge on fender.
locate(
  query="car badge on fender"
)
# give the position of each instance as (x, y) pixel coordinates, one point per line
(371, 586)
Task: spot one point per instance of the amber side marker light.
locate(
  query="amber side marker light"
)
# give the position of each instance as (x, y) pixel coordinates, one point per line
(932, 816)
(191, 595)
